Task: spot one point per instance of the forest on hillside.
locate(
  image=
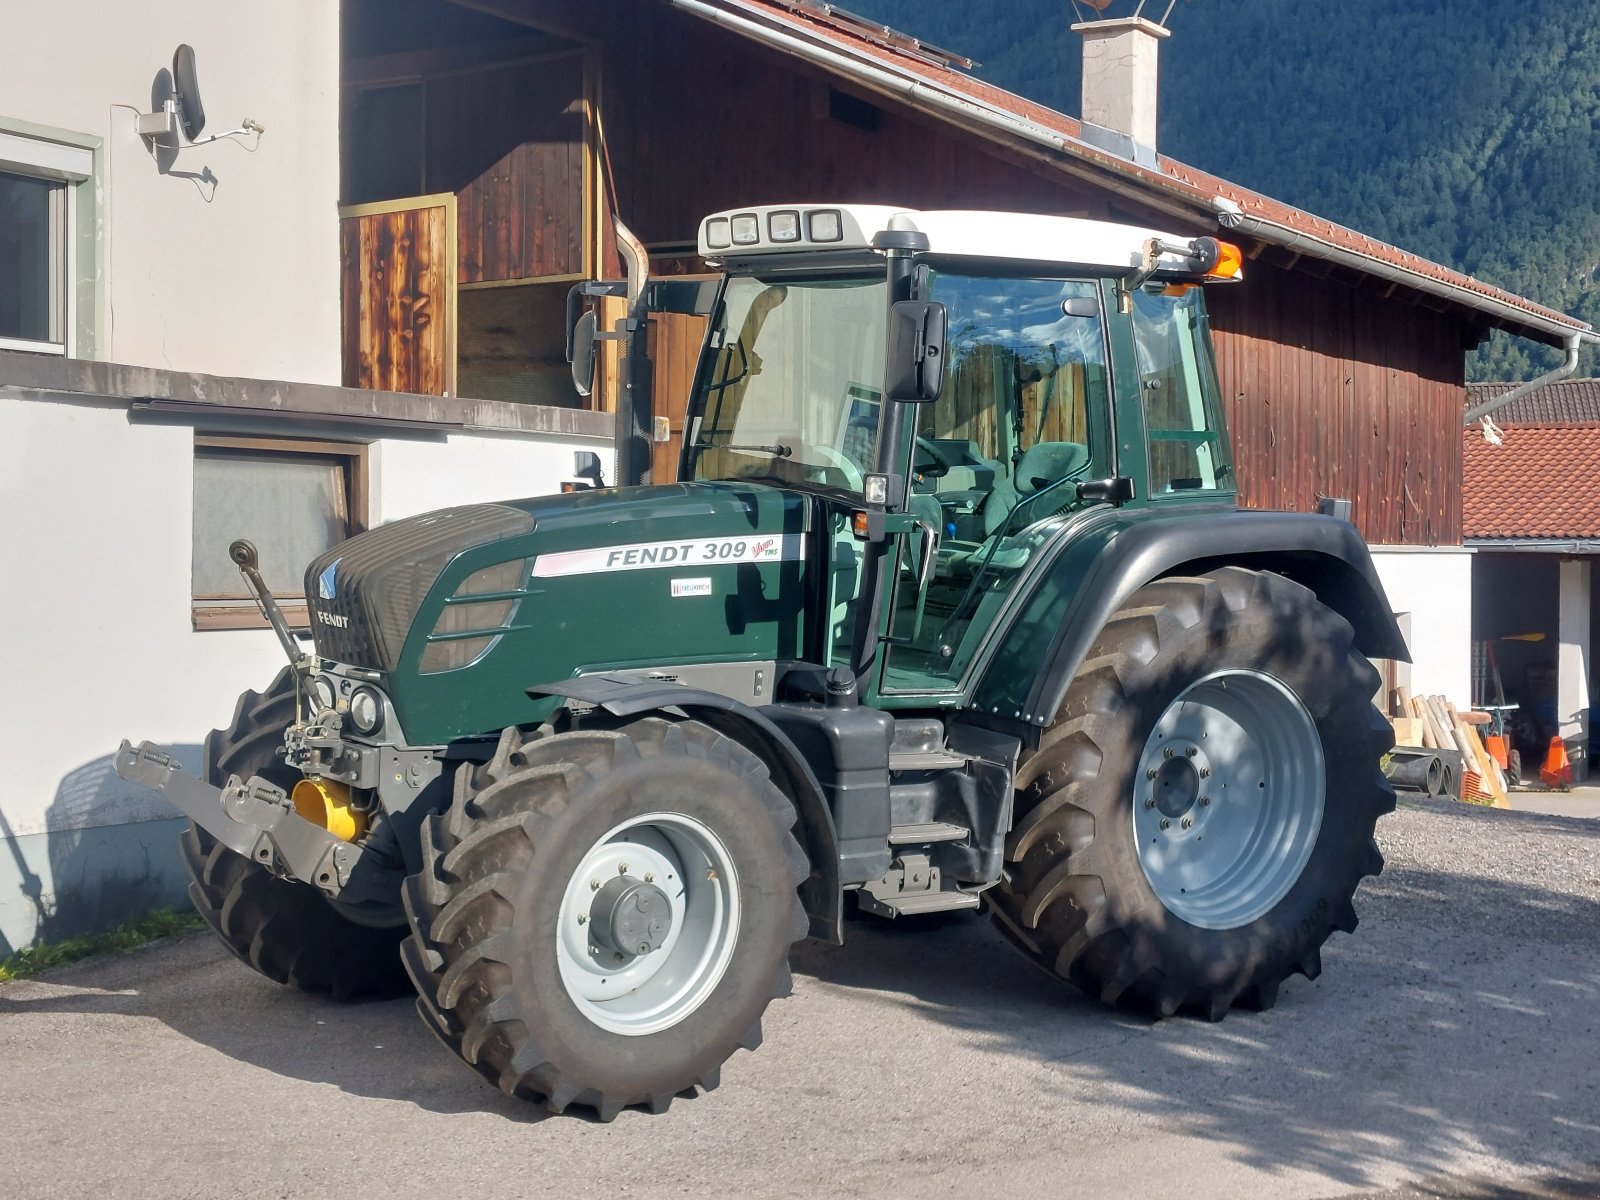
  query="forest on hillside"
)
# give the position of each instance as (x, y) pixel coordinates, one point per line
(1467, 131)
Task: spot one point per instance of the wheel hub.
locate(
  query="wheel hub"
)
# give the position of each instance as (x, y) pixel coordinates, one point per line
(1228, 799)
(648, 923)
(630, 916)
(1176, 788)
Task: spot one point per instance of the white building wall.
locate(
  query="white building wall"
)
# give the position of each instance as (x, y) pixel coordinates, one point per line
(1572, 664)
(1433, 586)
(239, 276)
(98, 642)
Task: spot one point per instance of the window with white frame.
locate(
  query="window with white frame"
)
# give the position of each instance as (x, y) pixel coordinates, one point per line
(39, 179)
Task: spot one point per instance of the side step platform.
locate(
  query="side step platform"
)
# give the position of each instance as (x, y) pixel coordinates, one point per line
(913, 884)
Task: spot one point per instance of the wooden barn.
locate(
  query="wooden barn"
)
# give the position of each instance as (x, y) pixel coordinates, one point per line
(489, 146)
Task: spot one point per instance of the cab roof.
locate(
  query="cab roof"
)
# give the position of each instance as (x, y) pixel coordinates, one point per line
(766, 233)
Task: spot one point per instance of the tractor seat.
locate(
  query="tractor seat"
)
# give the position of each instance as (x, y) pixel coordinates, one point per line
(1040, 466)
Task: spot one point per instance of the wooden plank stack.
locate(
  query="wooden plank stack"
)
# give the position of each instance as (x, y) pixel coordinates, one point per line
(1441, 727)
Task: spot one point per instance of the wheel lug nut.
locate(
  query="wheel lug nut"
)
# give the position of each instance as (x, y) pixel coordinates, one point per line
(1205, 772)
(583, 918)
(1205, 801)
(1167, 753)
(1150, 774)
(622, 868)
(1187, 822)
(594, 885)
(1166, 823)
(649, 877)
(619, 957)
(1150, 803)
(1191, 751)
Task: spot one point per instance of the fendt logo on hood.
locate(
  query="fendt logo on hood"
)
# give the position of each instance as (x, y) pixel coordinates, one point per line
(325, 581)
(333, 619)
(639, 556)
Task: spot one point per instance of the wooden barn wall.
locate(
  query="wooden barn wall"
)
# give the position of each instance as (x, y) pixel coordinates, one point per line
(1333, 390)
(697, 119)
(509, 142)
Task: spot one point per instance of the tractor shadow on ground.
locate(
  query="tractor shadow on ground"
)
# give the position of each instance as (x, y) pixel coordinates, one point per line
(1461, 1019)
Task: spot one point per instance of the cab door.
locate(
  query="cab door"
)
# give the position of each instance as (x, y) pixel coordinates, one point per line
(1025, 415)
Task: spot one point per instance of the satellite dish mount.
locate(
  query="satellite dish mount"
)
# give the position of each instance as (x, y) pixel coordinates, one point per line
(182, 116)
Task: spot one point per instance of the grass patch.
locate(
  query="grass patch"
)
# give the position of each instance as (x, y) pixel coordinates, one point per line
(164, 922)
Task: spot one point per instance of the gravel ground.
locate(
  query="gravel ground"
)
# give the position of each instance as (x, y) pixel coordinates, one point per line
(1449, 1049)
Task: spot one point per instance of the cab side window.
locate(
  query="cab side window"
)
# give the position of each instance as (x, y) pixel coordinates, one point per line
(1178, 393)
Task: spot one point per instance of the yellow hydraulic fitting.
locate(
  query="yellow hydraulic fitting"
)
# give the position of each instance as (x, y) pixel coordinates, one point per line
(326, 804)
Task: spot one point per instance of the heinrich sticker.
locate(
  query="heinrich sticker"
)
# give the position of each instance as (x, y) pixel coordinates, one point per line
(689, 552)
(692, 587)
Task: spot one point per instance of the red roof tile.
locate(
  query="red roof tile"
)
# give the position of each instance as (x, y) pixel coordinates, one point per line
(1564, 402)
(1543, 481)
(1175, 178)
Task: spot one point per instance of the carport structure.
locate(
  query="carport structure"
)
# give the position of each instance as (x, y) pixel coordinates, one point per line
(1531, 515)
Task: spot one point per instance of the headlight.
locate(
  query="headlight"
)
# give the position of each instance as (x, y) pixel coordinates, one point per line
(366, 711)
(324, 693)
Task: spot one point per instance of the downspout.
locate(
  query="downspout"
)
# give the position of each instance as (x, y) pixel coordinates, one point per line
(1533, 385)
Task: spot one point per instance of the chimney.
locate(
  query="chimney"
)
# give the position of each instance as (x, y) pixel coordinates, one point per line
(1120, 72)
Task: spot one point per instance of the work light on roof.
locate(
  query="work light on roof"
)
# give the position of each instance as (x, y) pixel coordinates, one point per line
(784, 225)
(825, 225)
(746, 229)
(718, 234)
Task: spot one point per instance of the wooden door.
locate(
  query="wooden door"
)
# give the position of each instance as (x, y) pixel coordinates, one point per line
(675, 347)
(398, 295)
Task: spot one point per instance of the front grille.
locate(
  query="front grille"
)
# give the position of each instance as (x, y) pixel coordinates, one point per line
(379, 579)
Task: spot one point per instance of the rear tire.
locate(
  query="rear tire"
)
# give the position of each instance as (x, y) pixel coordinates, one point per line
(284, 930)
(1110, 883)
(504, 950)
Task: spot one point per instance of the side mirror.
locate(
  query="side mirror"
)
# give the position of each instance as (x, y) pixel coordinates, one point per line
(914, 367)
(581, 353)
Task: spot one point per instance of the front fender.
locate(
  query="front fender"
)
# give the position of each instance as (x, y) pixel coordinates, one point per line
(822, 893)
(1107, 562)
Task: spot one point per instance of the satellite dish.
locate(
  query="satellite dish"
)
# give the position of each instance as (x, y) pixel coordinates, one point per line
(186, 91)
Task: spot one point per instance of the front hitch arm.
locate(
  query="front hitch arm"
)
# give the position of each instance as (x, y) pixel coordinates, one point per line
(243, 554)
(256, 819)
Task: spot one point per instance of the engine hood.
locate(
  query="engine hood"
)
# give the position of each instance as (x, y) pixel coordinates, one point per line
(463, 609)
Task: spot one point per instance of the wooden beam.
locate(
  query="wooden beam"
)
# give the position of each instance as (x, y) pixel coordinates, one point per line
(441, 60)
(533, 14)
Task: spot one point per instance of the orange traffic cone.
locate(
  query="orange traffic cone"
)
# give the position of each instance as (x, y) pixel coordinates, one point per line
(1557, 771)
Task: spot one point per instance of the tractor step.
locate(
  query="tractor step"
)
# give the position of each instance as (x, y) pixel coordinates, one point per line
(911, 904)
(928, 833)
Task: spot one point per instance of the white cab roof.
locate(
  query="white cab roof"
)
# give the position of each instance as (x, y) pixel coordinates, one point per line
(748, 233)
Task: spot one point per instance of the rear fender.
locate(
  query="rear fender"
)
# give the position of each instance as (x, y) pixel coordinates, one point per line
(1099, 570)
(624, 697)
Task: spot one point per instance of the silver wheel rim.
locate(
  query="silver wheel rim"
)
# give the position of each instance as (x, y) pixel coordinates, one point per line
(1228, 799)
(635, 994)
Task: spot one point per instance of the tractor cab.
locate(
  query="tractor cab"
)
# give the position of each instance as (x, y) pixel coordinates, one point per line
(1026, 346)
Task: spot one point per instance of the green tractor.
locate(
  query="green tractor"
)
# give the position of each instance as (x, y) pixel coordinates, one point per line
(952, 606)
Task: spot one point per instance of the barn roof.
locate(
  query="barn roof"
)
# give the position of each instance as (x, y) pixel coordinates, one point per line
(1565, 402)
(931, 80)
(1541, 482)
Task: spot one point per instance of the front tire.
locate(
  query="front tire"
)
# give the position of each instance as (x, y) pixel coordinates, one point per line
(603, 916)
(1231, 706)
(281, 929)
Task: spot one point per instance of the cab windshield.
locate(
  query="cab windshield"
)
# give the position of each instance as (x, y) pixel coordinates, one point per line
(794, 388)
